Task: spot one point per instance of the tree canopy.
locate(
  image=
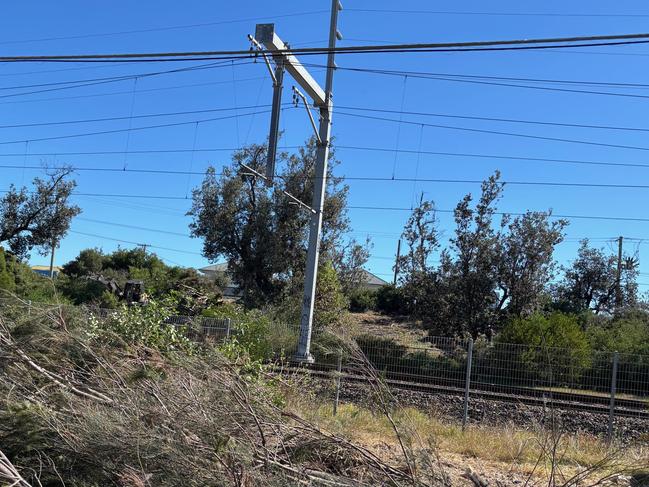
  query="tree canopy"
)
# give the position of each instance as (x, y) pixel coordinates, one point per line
(39, 217)
(261, 232)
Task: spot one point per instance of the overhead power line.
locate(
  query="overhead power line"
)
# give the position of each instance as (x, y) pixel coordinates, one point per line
(147, 115)
(343, 147)
(172, 172)
(495, 119)
(94, 235)
(133, 129)
(495, 14)
(68, 85)
(372, 208)
(496, 132)
(434, 75)
(163, 28)
(481, 81)
(542, 43)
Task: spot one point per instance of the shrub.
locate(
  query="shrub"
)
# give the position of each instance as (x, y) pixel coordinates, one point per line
(553, 347)
(391, 299)
(362, 300)
(142, 325)
(7, 281)
(254, 333)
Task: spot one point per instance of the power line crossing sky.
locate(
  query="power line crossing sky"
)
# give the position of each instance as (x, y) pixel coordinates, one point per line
(432, 117)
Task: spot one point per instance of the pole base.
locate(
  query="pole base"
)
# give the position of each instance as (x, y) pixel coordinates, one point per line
(304, 359)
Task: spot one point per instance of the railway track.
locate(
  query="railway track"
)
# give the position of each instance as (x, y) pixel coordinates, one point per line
(574, 401)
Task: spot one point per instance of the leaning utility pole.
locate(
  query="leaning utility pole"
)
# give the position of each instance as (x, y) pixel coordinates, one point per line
(52, 259)
(618, 276)
(396, 263)
(265, 34)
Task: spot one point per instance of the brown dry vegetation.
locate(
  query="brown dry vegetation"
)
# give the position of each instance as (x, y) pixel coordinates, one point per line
(85, 408)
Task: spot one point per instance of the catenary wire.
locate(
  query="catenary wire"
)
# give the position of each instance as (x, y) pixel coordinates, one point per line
(496, 132)
(555, 42)
(121, 170)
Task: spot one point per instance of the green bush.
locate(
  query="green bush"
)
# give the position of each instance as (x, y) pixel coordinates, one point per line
(550, 347)
(254, 333)
(391, 299)
(361, 300)
(141, 325)
(7, 281)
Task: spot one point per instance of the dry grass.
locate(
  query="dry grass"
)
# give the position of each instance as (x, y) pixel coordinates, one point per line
(501, 449)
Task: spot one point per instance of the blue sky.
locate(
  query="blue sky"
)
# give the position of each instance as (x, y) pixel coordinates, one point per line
(70, 27)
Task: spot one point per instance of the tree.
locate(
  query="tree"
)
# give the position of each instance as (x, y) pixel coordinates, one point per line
(88, 262)
(473, 273)
(262, 232)
(590, 282)
(486, 275)
(526, 260)
(420, 235)
(39, 217)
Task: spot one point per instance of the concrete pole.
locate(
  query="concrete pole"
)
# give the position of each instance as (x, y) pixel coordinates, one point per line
(320, 183)
(467, 384)
(52, 259)
(618, 276)
(396, 263)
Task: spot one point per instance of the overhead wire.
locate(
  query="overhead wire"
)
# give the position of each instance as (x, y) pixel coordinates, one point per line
(496, 132)
(513, 44)
(165, 28)
(499, 14)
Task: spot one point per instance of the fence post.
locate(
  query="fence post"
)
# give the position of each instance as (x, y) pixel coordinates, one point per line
(467, 385)
(339, 369)
(611, 409)
(29, 307)
(228, 322)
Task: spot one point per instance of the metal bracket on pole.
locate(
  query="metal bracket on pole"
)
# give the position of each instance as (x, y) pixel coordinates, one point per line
(257, 174)
(297, 95)
(260, 49)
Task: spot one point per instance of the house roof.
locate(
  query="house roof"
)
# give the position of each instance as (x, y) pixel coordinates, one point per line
(46, 268)
(220, 267)
(371, 279)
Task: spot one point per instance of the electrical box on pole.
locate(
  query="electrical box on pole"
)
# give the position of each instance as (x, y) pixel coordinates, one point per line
(322, 99)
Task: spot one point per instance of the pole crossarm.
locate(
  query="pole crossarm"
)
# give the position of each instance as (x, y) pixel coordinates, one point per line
(260, 49)
(265, 35)
(286, 193)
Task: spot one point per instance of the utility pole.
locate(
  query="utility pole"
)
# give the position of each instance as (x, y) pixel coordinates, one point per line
(52, 259)
(618, 277)
(265, 34)
(396, 262)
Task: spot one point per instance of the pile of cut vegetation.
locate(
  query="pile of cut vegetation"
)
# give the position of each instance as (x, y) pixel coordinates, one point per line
(85, 406)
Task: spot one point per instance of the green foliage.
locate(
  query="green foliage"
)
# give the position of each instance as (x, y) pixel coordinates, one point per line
(491, 270)
(626, 334)
(590, 282)
(391, 299)
(141, 325)
(261, 233)
(362, 300)
(330, 302)
(39, 216)
(552, 346)
(80, 285)
(255, 336)
(7, 281)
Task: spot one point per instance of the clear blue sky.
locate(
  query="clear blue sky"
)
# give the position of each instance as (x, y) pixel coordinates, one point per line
(25, 25)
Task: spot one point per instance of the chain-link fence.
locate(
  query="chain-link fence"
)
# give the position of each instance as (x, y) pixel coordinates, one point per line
(609, 384)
